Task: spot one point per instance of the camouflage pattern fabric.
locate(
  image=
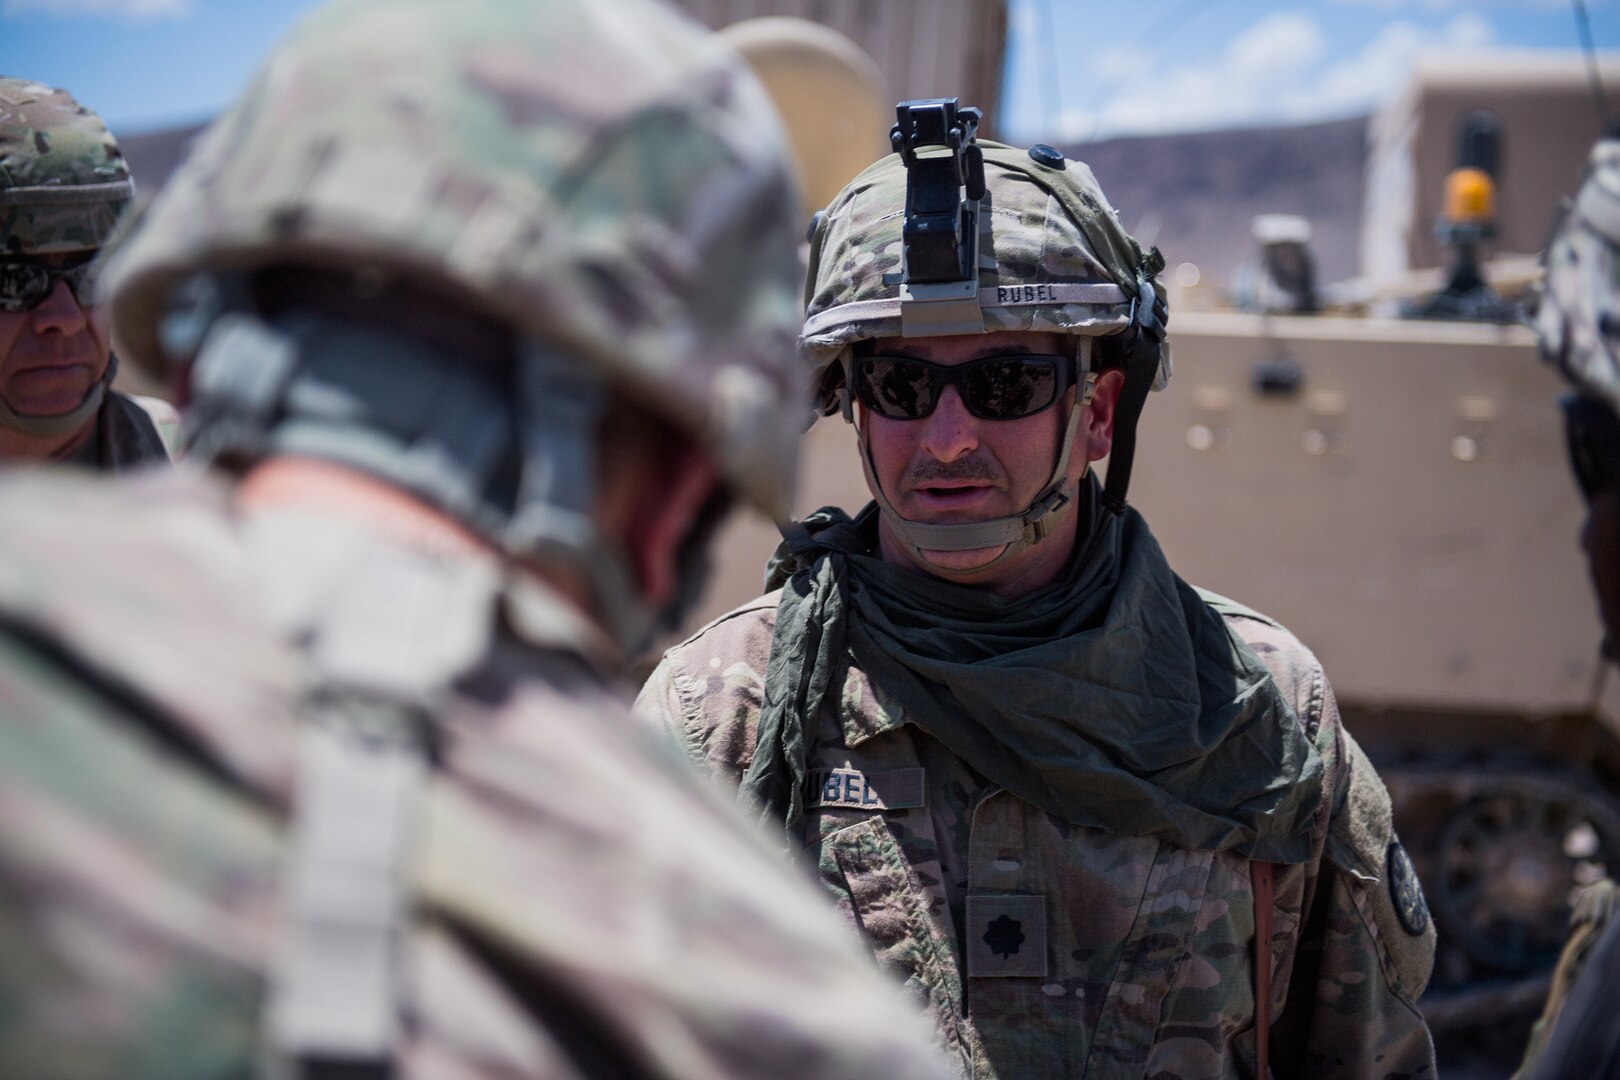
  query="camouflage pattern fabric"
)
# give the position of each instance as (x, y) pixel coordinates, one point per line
(1042, 949)
(1052, 256)
(604, 177)
(1592, 915)
(581, 906)
(126, 434)
(63, 181)
(1583, 280)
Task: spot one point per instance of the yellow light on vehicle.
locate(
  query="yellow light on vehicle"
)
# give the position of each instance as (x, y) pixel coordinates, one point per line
(1470, 197)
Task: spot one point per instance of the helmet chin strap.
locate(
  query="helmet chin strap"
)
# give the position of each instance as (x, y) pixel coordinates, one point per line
(1013, 533)
(54, 424)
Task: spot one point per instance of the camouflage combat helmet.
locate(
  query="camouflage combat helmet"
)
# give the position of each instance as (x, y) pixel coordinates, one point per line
(1051, 256)
(1578, 318)
(607, 180)
(63, 181)
(64, 189)
(621, 196)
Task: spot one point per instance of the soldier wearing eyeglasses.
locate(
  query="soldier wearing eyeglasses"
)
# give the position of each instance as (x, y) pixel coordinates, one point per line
(1578, 322)
(64, 189)
(1097, 821)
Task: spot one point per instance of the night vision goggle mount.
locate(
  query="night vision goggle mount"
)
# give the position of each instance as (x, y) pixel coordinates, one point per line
(939, 278)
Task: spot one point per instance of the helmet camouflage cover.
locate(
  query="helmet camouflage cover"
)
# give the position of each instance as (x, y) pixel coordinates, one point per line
(600, 176)
(1052, 256)
(1578, 318)
(63, 181)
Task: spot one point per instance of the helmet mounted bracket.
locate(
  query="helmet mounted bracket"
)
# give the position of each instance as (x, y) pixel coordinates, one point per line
(939, 278)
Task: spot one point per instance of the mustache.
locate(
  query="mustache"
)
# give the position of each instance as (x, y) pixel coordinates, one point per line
(970, 468)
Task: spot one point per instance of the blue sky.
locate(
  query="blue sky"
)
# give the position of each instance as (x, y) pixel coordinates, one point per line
(1089, 68)
(1075, 68)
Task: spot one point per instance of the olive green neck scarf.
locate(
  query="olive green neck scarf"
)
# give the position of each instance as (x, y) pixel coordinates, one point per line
(1115, 698)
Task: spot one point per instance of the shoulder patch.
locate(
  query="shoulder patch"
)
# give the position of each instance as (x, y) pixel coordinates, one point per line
(1404, 890)
(1381, 878)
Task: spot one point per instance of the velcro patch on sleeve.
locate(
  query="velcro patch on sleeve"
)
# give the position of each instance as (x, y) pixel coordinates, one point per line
(852, 789)
(1362, 844)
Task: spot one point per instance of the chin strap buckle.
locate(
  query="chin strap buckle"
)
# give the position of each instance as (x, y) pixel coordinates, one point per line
(1035, 521)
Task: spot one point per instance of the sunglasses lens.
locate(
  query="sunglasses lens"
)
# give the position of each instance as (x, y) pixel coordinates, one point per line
(895, 388)
(81, 279)
(1010, 387)
(23, 285)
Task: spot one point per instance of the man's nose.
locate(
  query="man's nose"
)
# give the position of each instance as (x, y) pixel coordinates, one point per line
(59, 311)
(951, 430)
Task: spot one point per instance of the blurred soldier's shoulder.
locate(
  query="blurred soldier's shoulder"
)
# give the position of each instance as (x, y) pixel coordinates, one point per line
(581, 902)
(1593, 913)
(144, 749)
(142, 582)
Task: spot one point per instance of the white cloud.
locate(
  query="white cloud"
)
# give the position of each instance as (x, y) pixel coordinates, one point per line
(1281, 42)
(1272, 72)
(139, 10)
(1117, 62)
(1470, 30)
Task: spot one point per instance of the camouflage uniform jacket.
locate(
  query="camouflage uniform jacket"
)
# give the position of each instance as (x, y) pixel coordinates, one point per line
(1043, 949)
(579, 903)
(128, 432)
(1592, 919)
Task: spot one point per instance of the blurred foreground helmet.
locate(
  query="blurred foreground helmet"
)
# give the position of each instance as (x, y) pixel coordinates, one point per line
(953, 236)
(1579, 315)
(605, 178)
(436, 240)
(63, 181)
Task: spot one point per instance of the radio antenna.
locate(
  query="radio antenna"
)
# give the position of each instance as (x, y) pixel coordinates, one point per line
(1599, 100)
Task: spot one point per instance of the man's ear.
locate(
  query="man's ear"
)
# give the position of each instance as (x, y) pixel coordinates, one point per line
(649, 507)
(1097, 426)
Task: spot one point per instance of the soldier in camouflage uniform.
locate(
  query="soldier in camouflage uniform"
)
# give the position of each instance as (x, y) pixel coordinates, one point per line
(312, 767)
(1099, 823)
(1576, 320)
(63, 189)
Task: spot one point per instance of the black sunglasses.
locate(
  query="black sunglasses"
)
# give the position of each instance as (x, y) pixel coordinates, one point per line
(994, 388)
(24, 285)
(1593, 432)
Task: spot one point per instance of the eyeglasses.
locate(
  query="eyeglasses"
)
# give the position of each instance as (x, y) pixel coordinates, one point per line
(994, 388)
(1593, 432)
(25, 285)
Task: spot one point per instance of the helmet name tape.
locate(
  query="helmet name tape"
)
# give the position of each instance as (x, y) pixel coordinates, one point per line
(988, 299)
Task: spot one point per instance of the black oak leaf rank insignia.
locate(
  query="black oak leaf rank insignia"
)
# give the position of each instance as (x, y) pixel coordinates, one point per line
(1004, 935)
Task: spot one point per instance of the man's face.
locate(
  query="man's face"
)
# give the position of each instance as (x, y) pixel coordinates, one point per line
(50, 357)
(951, 466)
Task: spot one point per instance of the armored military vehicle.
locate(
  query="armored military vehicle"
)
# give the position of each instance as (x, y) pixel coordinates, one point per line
(1394, 488)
